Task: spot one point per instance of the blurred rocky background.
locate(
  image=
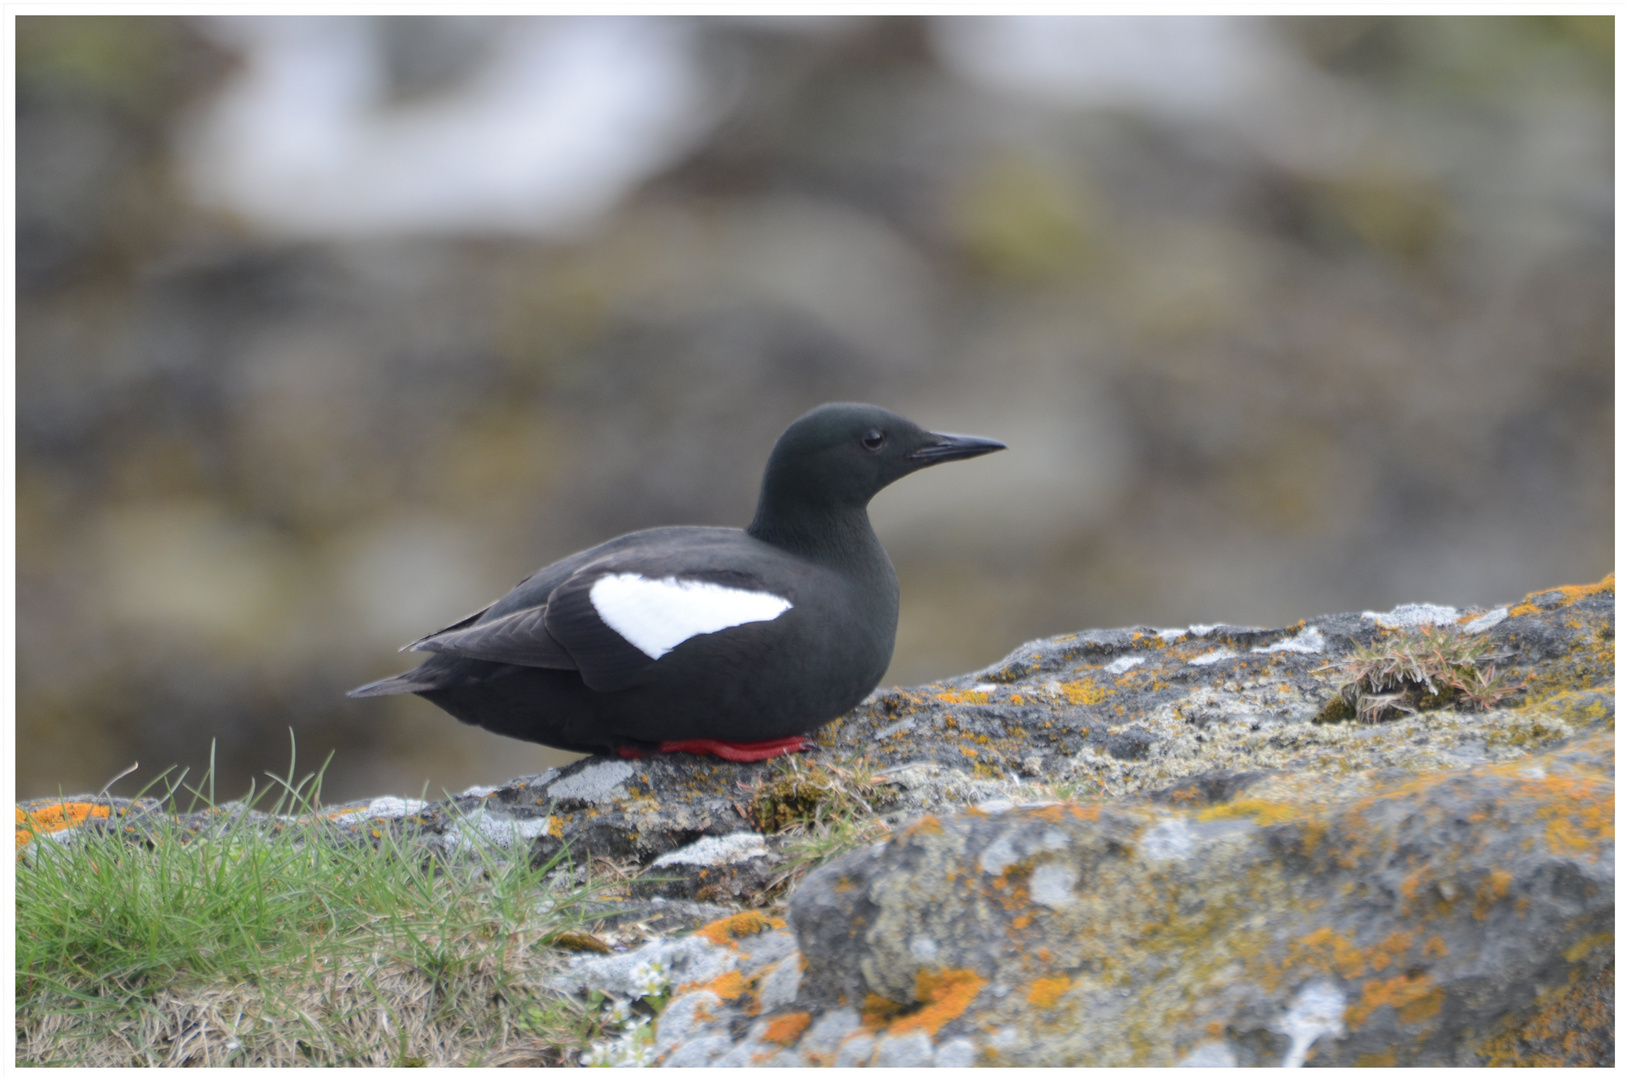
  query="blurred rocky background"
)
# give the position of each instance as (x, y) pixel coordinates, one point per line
(332, 329)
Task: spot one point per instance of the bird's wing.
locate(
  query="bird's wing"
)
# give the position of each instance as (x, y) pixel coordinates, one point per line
(618, 617)
(520, 637)
(469, 619)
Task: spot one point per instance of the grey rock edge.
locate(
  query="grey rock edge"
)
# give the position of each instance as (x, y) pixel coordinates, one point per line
(1127, 847)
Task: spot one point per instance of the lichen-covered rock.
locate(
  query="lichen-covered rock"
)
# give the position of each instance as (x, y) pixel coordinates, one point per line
(1451, 919)
(1126, 846)
(1413, 920)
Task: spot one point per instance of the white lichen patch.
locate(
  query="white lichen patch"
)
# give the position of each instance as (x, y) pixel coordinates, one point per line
(1308, 640)
(1052, 884)
(912, 1051)
(717, 850)
(1212, 657)
(1317, 1010)
(955, 1054)
(923, 948)
(1169, 840)
(493, 829)
(997, 856)
(829, 1030)
(1486, 621)
(386, 806)
(1209, 1054)
(1411, 616)
(778, 989)
(855, 1051)
(599, 782)
(1123, 664)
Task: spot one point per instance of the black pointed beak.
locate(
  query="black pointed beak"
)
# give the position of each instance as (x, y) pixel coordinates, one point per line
(953, 448)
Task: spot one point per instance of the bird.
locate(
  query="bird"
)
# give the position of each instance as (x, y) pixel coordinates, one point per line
(734, 643)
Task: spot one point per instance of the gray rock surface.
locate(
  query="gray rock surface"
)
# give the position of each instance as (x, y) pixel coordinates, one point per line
(1151, 847)
(1406, 922)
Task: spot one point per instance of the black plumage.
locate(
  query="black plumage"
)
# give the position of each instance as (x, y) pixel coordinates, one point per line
(729, 641)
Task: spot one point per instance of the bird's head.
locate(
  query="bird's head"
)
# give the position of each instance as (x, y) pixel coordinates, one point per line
(840, 455)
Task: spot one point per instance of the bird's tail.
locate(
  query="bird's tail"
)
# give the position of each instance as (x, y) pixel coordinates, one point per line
(410, 682)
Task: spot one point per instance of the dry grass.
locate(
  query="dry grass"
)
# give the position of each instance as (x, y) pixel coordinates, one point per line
(1403, 674)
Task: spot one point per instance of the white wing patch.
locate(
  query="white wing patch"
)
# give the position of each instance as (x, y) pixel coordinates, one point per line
(656, 614)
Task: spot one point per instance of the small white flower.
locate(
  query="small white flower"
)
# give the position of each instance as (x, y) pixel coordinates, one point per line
(632, 1051)
(649, 979)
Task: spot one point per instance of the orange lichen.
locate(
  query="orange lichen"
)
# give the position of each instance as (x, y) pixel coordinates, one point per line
(1580, 811)
(1575, 1028)
(928, 824)
(1410, 886)
(1389, 950)
(1083, 692)
(1311, 835)
(1588, 944)
(1493, 887)
(963, 697)
(1415, 999)
(947, 994)
(727, 986)
(728, 930)
(1384, 1059)
(1435, 948)
(1045, 992)
(1569, 593)
(1330, 948)
(787, 1029)
(55, 817)
(1263, 812)
(878, 1011)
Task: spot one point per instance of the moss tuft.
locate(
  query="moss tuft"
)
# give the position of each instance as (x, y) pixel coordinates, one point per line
(1427, 669)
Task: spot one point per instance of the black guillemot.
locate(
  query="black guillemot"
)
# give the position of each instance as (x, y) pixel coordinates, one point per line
(733, 642)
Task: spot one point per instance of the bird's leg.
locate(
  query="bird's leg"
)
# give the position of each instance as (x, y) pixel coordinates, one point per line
(737, 751)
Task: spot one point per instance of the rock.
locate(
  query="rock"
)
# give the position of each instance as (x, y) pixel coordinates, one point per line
(1411, 921)
(1152, 847)
(1435, 890)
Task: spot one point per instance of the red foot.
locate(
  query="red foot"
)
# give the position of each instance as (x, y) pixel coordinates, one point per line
(728, 751)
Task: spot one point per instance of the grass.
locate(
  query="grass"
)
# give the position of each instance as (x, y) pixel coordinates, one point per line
(293, 947)
(1408, 673)
(822, 810)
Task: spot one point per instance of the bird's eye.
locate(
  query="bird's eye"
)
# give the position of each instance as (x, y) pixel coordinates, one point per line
(873, 439)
